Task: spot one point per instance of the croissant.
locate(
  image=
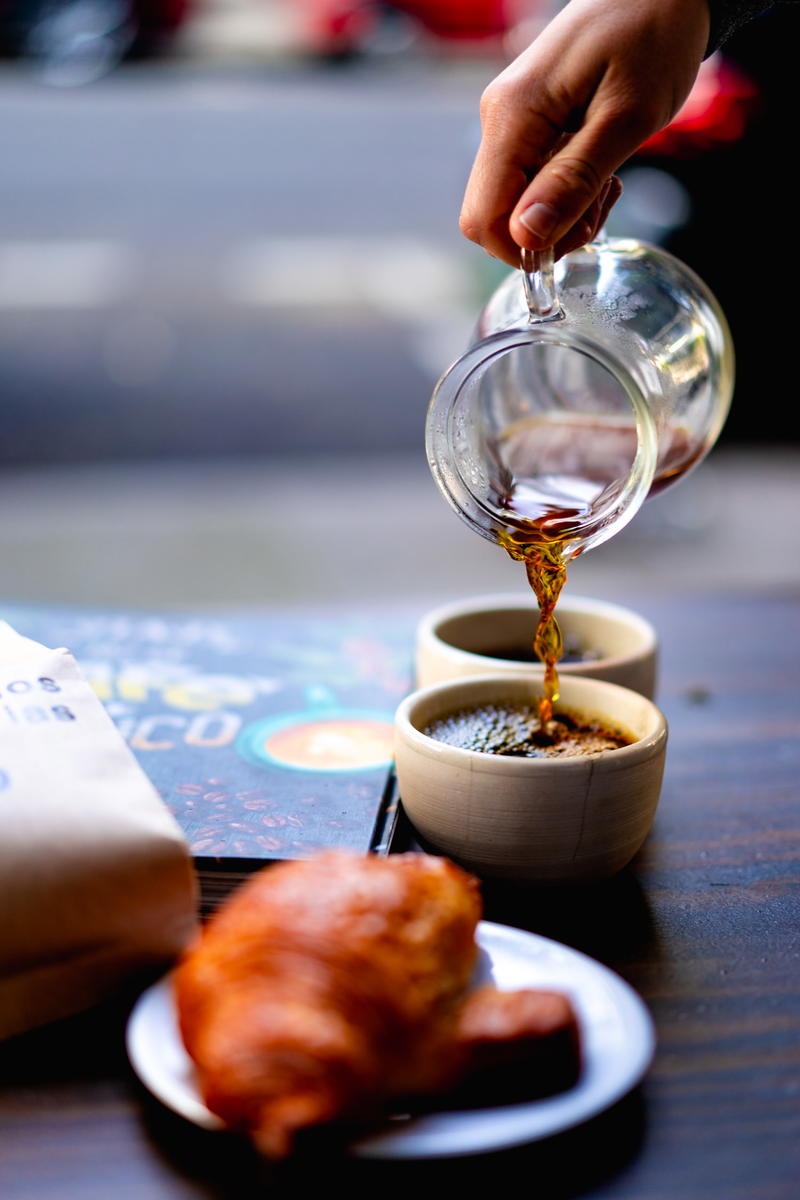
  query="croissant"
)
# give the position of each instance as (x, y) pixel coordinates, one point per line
(327, 988)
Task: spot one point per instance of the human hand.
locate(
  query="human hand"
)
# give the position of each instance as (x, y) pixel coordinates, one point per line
(598, 81)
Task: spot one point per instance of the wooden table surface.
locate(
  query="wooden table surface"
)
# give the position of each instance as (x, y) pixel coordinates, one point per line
(704, 925)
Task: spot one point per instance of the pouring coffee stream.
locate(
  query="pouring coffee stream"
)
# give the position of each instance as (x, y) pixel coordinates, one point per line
(601, 381)
(543, 557)
(542, 554)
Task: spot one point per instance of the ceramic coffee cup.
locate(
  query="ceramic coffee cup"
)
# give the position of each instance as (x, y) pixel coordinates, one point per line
(542, 820)
(464, 638)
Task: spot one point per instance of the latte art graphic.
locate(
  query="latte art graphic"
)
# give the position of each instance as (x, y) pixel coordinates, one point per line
(338, 744)
(335, 739)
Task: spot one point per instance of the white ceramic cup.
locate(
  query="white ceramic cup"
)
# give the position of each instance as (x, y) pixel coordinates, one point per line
(456, 640)
(542, 820)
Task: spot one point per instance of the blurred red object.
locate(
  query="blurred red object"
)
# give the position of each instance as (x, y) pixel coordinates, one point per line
(345, 27)
(716, 113)
(458, 18)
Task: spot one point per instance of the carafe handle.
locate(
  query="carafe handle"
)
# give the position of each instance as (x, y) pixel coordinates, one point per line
(540, 286)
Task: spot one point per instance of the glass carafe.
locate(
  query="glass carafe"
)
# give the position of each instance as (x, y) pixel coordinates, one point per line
(588, 387)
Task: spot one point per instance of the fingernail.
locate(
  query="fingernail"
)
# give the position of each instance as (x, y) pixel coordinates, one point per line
(540, 219)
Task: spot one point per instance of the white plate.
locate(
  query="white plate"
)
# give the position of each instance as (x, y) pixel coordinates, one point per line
(616, 1029)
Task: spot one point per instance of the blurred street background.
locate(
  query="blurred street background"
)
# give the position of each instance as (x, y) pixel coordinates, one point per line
(231, 273)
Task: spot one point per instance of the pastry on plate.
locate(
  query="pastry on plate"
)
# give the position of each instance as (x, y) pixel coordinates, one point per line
(327, 989)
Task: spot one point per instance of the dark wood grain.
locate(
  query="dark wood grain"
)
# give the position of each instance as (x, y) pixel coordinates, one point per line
(704, 924)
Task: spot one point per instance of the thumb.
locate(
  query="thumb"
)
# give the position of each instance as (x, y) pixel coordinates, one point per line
(565, 187)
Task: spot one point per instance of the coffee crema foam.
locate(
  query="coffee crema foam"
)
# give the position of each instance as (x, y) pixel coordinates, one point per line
(513, 729)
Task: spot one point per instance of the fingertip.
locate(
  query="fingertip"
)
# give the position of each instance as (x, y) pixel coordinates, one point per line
(539, 224)
(541, 221)
(510, 256)
(500, 244)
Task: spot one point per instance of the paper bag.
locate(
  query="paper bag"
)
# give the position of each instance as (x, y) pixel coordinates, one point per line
(97, 887)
